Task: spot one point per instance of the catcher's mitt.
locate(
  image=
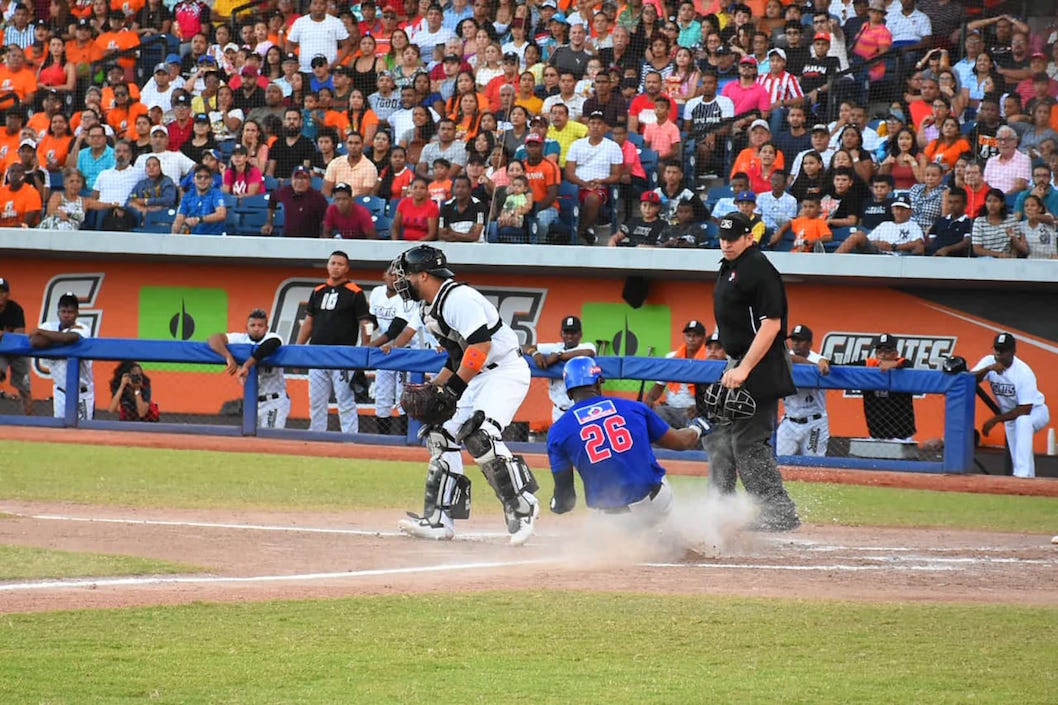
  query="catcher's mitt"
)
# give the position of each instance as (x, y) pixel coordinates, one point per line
(428, 403)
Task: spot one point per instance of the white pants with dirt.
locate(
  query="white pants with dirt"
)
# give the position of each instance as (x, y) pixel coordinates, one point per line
(389, 385)
(803, 436)
(321, 382)
(1019, 438)
(273, 410)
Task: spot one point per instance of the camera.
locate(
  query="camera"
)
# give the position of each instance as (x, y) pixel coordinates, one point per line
(137, 378)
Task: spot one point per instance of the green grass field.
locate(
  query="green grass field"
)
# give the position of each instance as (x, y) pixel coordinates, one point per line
(536, 645)
(25, 562)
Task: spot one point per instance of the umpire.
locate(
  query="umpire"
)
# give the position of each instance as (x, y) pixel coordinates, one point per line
(749, 303)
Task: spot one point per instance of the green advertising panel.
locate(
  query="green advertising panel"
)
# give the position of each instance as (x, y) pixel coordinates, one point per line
(627, 331)
(181, 313)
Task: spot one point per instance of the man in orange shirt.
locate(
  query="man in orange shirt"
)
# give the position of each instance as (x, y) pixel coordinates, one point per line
(544, 177)
(16, 76)
(82, 50)
(11, 135)
(122, 117)
(41, 120)
(509, 77)
(120, 38)
(20, 204)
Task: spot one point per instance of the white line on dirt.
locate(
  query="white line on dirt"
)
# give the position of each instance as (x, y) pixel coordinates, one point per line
(830, 567)
(303, 577)
(473, 536)
(824, 547)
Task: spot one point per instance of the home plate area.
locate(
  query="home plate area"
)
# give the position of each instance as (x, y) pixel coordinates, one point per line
(275, 555)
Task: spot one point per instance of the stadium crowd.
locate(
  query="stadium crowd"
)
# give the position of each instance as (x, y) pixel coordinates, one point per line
(899, 126)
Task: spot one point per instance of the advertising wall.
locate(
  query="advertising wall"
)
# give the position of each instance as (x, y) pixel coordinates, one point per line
(174, 301)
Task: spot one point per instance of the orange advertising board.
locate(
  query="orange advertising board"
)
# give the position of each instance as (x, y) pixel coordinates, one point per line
(188, 301)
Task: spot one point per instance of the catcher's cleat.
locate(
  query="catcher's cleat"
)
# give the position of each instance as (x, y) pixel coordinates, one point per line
(521, 527)
(422, 529)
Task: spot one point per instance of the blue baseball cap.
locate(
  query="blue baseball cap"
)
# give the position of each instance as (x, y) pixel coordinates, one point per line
(173, 59)
(746, 196)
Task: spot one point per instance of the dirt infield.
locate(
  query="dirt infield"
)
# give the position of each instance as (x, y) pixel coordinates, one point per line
(273, 555)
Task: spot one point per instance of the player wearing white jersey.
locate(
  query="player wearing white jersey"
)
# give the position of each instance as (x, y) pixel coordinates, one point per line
(66, 331)
(398, 324)
(547, 354)
(805, 428)
(273, 402)
(1021, 403)
(480, 389)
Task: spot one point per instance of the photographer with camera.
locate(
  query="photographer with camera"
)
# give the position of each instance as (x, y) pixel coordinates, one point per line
(131, 390)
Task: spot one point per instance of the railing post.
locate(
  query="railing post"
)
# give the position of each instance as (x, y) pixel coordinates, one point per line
(73, 391)
(249, 404)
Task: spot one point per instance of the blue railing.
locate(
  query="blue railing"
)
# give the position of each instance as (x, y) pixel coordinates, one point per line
(958, 390)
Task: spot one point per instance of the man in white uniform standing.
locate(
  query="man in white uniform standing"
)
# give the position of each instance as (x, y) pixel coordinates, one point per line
(67, 331)
(547, 354)
(1021, 404)
(273, 403)
(470, 401)
(805, 428)
(398, 323)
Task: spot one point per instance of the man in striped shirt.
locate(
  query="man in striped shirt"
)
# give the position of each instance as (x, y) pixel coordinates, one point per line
(783, 88)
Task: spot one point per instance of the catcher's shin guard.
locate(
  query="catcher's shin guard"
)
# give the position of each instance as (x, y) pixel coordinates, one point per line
(446, 492)
(514, 485)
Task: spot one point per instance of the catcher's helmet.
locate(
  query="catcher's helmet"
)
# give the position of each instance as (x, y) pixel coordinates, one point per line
(581, 372)
(719, 403)
(425, 259)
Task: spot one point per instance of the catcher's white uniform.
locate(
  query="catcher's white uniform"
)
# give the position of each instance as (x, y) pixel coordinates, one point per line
(805, 427)
(86, 394)
(390, 383)
(1014, 387)
(556, 388)
(273, 403)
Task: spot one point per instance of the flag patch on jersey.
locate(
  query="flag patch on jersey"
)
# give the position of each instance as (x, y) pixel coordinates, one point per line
(595, 412)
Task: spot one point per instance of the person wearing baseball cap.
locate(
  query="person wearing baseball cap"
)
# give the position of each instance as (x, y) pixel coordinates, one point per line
(749, 160)
(899, 236)
(593, 164)
(805, 427)
(1022, 408)
(546, 355)
(303, 206)
(749, 305)
(13, 320)
(746, 203)
(647, 229)
(889, 415)
(678, 406)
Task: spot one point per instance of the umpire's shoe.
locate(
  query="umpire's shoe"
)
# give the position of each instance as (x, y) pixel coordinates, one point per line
(423, 529)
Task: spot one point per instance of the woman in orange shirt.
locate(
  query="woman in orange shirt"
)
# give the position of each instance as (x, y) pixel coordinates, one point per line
(54, 147)
(362, 118)
(467, 118)
(945, 150)
(465, 85)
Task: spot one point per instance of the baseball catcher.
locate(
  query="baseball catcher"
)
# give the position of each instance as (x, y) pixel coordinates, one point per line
(470, 402)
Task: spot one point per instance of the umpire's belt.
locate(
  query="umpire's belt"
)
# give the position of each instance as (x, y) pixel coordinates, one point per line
(805, 419)
(268, 397)
(84, 389)
(628, 507)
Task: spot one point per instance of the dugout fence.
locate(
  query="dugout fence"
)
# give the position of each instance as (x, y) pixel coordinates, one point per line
(194, 364)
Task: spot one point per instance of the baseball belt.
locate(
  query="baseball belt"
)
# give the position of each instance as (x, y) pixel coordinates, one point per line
(84, 389)
(628, 507)
(805, 419)
(268, 397)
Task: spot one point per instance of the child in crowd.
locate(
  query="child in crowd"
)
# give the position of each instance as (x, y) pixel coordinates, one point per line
(517, 204)
(746, 203)
(809, 228)
(686, 231)
(645, 230)
(663, 136)
(441, 187)
(880, 208)
(586, 86)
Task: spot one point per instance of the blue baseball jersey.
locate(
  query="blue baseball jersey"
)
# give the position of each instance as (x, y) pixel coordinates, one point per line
(607, 440)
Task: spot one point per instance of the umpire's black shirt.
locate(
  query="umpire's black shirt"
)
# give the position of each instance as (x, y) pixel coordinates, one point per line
(748, 290)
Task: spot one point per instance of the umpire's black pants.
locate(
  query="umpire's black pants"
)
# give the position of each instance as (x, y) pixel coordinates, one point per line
(742, 449)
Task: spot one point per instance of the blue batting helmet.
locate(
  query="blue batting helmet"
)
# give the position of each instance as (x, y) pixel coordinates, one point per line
(581, 372)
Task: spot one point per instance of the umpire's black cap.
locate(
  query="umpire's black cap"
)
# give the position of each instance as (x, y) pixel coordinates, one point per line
(1004, 342)
(734, 225)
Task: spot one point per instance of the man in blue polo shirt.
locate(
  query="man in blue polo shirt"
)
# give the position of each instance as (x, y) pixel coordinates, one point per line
(202, 210)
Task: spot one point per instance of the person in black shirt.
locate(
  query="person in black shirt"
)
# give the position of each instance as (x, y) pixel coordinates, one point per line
(950, 234)
(291, 149)
(608, 101)
(880, 207)
(13, 320)
(749, 304)
(841, 204)
(337, 314)
(645, 230)
(462, 216)
(889, 415)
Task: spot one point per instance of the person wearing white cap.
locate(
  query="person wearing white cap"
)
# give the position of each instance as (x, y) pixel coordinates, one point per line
(899, 236)
(175, 165)
(784, 90)
(1022, 410)
(546, 355)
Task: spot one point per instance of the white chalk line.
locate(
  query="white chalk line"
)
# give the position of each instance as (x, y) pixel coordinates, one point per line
(828, 568)
(214, 579)
(824, 547)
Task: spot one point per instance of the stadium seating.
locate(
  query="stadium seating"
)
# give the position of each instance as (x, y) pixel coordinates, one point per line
(374, 205)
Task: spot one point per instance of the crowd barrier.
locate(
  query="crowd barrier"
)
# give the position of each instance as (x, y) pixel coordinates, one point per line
(957, 390)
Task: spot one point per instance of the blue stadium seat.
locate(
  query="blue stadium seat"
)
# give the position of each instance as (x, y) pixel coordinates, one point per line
(231, 222)
(55, 178)
(564, 230)
(391, 209)
(712, 236)
(159, 228)
(317, 183)
(636, 139)
(649, 159)
(383, 225)
(840, 236)
(715, 194)
(257, 202)
(230, 202)
(271, 183)
(165, 216)
(226, 147)
(251, 221)
(374, 204)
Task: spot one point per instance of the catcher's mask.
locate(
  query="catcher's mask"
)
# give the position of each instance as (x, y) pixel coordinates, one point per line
(414, 261)
(581, 372)
(954, 364)
(719, 403)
